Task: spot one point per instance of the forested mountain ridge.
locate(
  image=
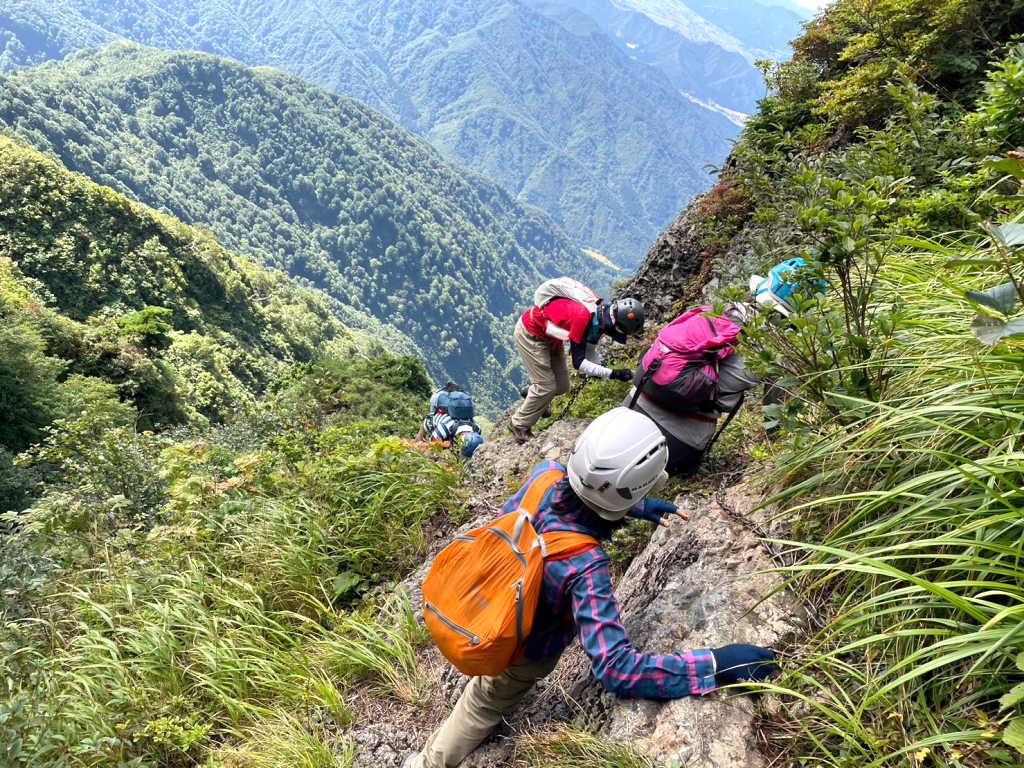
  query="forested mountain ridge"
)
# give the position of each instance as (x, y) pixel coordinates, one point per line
(131, 302)
(564, 120)
(317, 185)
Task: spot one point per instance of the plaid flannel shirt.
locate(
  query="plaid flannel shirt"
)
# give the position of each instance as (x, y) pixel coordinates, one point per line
(577, 595)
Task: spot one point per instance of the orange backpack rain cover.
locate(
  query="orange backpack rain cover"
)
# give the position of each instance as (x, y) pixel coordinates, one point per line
(481, 593)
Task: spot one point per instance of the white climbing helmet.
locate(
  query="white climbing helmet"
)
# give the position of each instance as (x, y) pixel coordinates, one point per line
(618, 460)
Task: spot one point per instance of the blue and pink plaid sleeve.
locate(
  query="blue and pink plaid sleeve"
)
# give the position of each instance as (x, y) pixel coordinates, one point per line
(617, 664)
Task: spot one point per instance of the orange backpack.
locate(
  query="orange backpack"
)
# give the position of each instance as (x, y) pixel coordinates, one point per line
(481, 593)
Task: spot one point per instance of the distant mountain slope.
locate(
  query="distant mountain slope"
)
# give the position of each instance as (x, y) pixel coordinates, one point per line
(559, 116)
(704, 70)
(76, 258)
(318, 185)
(743, 26)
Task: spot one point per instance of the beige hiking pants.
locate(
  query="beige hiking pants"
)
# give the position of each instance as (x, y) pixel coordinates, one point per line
(481, 708)
(549, 375)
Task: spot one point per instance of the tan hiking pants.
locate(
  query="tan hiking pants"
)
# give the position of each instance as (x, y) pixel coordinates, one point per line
(484, 703)
(548, 372)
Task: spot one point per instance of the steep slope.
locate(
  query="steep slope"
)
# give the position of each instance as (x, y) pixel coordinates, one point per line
(561, 117)
(317, 185)
(101, 289)
(699, 584)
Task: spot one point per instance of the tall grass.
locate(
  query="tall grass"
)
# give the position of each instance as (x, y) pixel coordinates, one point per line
(920, 568)
(229, 629)
(281, 740)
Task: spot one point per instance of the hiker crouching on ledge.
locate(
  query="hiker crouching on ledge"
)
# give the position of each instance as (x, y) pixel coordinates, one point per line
(452, 419)
(615, 463)
(566, 310)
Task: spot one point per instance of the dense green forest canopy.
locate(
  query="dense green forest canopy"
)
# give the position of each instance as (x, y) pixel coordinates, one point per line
(98, 288)
(211, 429)
(314, 184)
(556, 113)
(113, 315)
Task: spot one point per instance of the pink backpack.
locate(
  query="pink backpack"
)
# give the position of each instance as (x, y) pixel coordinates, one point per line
(679, 371)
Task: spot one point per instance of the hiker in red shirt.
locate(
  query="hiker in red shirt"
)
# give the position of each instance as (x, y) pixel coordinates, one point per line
(566, 310)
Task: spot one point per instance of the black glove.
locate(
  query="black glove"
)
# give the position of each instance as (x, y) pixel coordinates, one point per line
(742, 663)
(621, 374)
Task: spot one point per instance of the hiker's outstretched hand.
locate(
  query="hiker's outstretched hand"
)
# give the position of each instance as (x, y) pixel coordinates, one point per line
(656, 510)
(621, 374)
(742, 663)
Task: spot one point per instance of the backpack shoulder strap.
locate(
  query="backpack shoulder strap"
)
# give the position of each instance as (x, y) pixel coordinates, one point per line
(557, 545)
(648, 375)
(561, 545)
(535, 492)
(730, 417)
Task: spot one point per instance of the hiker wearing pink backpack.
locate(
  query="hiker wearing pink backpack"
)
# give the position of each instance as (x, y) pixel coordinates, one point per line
(689, 378)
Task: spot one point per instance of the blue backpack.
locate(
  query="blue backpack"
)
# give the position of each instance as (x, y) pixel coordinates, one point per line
(458, 405)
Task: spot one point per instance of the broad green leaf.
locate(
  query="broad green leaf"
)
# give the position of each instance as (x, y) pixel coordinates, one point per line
(1014, 734)
(345, 582)
(1001, 298)
(1007, 165)
(1009, 235)
(990, 330)
(1012, 697)
(1020, 662)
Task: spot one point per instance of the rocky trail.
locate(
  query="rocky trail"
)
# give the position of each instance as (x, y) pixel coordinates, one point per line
(696, 585)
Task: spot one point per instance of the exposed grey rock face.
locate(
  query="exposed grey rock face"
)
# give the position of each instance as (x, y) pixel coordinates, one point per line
(674, 262)
(500, 466)
(697, 585)
(686, 265)
(701, 585)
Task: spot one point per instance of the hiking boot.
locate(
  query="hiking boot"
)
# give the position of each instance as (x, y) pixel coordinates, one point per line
(521, 434)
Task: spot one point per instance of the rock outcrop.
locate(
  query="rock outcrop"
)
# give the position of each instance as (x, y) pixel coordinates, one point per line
(677, 262)
(697, 585)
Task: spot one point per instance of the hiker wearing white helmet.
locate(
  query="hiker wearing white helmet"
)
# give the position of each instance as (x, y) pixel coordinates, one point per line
(615, 464)
(566, 310)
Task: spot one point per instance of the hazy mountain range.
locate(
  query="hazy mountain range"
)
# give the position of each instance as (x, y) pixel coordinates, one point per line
(315, 184)
(577, 115)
